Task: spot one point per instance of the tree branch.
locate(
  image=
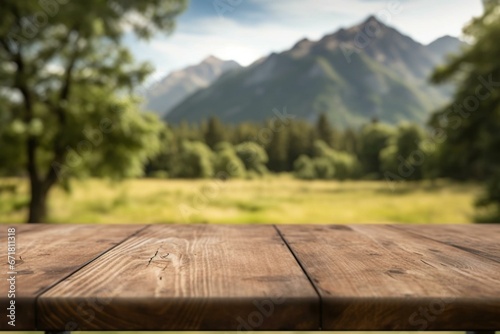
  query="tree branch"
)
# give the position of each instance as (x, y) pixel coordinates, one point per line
(32, 143)
(59, 148)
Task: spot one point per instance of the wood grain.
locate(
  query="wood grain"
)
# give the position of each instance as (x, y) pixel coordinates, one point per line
(383, 278)
(48, 253)
(187, 277)
(479, 239)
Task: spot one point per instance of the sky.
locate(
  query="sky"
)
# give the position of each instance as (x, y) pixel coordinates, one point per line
(246, 30)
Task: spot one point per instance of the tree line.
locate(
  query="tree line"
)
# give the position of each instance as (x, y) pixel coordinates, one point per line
(308, 150)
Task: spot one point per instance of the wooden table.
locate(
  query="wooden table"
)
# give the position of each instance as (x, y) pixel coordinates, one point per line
(254, 277)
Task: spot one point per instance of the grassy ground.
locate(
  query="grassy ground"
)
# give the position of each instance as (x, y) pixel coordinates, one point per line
(271, 200)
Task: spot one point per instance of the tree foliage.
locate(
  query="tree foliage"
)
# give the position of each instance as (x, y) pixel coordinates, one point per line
(253, 156)
(227, 162)
(196, 160)
(304, 168)
(65, 82)
(373, 139)
(404, 155)
(471, 122)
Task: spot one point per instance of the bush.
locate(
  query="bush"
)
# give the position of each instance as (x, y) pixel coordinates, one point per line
(324, 168)
(253, 156)
(304, 168)
(195, 161)
(344, 165)
(227, 162)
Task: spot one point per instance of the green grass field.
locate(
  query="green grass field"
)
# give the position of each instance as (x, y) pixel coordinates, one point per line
(277, 200)
(271, 200)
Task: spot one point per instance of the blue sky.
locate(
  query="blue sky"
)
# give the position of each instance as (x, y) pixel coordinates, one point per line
(245, 30)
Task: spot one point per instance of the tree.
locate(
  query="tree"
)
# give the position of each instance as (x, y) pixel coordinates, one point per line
(11, 143)
(343, 165)
(323, 168)
(163, 163)
(304, 168)
(215, 132)
(471, 122)
(373, 139)
(253, 156)
(350, 141)
(325, 130)
(277, 151)
(404, 156)
(227, 162)
(300, 141)
(66, 77)
(196, 160)
(245, 132)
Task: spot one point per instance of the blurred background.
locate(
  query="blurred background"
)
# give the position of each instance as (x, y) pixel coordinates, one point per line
(249, 111)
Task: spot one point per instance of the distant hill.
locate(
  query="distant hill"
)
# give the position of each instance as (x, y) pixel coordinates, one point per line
(348, 74)
(176, 86)
(445, 45)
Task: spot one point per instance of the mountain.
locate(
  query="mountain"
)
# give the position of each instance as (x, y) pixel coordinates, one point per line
(445, 45)
(367, 71)
(176, 86)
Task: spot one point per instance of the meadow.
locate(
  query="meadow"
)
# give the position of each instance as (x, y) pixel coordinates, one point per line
(272, 200)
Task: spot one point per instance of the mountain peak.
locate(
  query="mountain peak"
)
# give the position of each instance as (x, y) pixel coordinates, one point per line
(318, 76)
(371, 18)
(304, 42)
(372, 21)
(212, 60)
(445, 45)
(443, 39)
(179, 84)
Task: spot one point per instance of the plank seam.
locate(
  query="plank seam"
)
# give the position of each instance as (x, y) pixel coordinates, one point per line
(472, 251)
(78, 269)
(306, 274)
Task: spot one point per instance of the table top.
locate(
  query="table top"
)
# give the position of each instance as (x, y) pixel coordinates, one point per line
(252, 277)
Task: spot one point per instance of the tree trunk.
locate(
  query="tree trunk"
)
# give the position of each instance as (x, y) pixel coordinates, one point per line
(38, 203)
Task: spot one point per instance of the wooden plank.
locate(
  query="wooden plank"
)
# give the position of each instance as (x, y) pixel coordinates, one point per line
(185, 277)
(479, 239)
(381, 278)
(45, 254)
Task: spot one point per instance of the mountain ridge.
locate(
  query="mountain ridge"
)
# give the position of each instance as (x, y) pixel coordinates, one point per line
(385, 78)
(179, 84)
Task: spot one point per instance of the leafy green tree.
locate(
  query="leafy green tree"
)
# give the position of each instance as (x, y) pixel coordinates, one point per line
(186, 131)
(277, 151)
(11, 144)
(373, 139)
(253, 156)
(344, 165)
(215, 132)
(66, 77)
(471, 122)
(324, 168)
(227, 162)
(245, 132)
(325, 131)
(300, 141)
(304, 168)
(163, 163)
(350, 141)
(404, 157)
(196, 160)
